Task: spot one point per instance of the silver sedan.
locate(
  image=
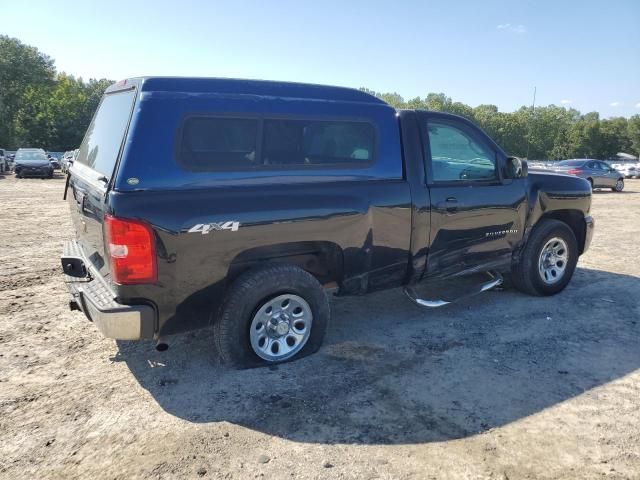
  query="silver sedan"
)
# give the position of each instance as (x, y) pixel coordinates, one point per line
(598, 173)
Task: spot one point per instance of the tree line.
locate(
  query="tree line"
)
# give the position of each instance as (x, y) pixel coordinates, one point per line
(40, 107)
(545, 133)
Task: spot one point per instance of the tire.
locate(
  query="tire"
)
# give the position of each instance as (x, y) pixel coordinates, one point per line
(619, 185)
(247, 302)
(527, 276)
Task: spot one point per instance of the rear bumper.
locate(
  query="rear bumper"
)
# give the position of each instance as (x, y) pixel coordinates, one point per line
(94, 297)
(588, 232)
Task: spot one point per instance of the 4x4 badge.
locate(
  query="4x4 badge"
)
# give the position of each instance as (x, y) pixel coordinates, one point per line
(205, 228)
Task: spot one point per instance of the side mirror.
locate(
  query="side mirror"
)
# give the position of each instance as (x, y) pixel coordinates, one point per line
(517, 167)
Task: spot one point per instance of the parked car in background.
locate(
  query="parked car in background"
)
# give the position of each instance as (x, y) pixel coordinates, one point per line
(3, 161)
(629, 170)
(54, 162)
(32, 162)
(537, 165)
(599, 174)
(9, 159)
(68, 159)
(65, 162)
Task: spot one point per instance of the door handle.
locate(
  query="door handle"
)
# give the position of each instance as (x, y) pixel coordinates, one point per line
(449, 205)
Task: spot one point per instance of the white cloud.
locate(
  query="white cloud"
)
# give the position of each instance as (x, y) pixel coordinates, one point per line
(565, 102)
(638, 105)
(507, 27)
(614, 104)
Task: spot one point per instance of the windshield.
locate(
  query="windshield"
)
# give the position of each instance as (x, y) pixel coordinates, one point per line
(101, 144)
(31, 157)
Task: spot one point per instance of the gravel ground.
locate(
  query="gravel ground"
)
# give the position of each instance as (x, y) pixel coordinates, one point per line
(500, 386)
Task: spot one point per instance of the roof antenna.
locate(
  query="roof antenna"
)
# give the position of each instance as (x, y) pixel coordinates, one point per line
(533, 109)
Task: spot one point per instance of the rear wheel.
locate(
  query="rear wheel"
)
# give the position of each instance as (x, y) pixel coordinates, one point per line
(619, 185)
(548, 260)
(271, 315)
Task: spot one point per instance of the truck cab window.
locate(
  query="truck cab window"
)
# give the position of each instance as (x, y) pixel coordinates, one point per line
(456, 156)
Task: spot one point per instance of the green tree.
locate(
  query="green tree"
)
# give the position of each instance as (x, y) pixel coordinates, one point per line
(25, 73)
(633, 133)
(57, 117)
(33, 123)
(583, 139)
(614, 137)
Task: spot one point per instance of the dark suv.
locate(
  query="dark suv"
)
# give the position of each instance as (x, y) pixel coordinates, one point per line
(242, 204)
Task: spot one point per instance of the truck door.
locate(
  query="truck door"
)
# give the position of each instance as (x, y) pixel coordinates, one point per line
(477, 215)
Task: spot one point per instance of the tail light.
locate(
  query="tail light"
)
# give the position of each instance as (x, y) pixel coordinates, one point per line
(573, 171)
(131, 249)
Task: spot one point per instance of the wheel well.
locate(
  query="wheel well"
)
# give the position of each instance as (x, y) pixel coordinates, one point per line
(323, 260)
(575, 220)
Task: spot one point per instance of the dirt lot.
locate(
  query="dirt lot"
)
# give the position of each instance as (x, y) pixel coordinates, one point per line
(500, 386)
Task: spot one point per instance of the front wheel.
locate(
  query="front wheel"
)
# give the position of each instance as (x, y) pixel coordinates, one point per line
(619, 185)
(548, 260)
(271, 315)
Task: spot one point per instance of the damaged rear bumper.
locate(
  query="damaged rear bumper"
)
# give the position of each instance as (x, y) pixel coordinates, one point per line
(92, 295)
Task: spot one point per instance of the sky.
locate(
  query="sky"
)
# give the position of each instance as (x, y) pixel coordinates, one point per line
(581, 54)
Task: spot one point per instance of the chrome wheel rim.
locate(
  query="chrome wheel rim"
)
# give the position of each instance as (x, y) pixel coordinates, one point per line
(619, 185)
(281, 327)
(553, 260)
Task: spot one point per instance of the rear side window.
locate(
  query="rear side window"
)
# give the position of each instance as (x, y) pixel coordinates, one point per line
(219, 143)
(101, 144)
(210, 143)
(304, 142)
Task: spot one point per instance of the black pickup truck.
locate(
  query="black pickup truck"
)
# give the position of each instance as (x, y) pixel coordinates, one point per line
(241, 204)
